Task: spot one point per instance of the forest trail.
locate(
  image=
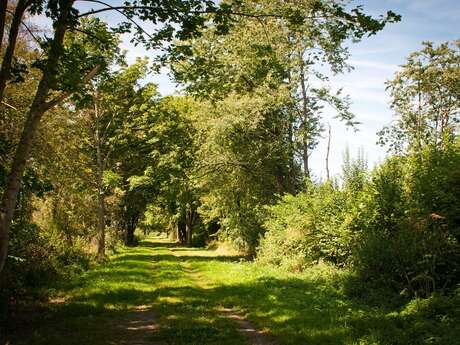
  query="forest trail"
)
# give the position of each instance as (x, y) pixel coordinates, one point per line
(159, 293)
(150, 294)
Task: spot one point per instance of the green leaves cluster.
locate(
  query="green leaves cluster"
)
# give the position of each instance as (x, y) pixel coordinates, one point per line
(262, 93)
(322, 223)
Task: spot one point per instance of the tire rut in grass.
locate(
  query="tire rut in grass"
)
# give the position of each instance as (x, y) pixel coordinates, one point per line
(245, 327)
(186, 310)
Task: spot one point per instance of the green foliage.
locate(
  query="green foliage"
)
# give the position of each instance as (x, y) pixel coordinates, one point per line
(398, 228)
(36, 258)
(280, 52)
(262, 94)
(319, 224)
(228, 164)
(160, 171)
(244, 159)
(91, 44)
(294, 237)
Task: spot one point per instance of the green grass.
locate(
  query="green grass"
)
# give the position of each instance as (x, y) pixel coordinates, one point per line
(185, 290)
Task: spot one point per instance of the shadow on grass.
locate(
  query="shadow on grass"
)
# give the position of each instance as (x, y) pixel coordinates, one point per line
(76, 326)
(295, 311)
(158, 244)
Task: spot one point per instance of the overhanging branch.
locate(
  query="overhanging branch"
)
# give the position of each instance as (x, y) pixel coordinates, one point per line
(109, 7)
(121, 8)
(26, 27)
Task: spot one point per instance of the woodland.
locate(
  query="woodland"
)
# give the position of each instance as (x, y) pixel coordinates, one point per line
(198, 214)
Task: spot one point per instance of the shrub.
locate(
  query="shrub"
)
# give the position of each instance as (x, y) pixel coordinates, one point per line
(412, 240)
(36, 258)
(306, 228)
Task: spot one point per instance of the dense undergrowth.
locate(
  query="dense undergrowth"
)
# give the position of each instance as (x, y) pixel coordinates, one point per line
(38, 260)
(373, 260)
(396, 226)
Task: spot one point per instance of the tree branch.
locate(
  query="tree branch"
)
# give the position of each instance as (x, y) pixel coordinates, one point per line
(60, 98)
(109, 7)
(9, 105)
(87, 33)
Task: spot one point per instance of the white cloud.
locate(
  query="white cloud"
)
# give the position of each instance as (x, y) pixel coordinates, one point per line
(373, 64)
(436, 9)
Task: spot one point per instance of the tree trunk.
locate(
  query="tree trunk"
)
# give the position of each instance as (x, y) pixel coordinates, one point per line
(327, 152)
(100, 186)
(38, 108)
(9, 52)
(418, 131)
(100, 213)
(305, 119)
(305, 157)
(189, 220)
(3, 8)
(130, 229)
(178, 233)
(291, 140)
(188, 234)
(181, 231)
(130, 234)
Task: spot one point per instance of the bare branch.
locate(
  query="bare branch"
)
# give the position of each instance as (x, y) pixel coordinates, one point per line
(9, 105)
(121, 8)
(87, 33)
(26, 27)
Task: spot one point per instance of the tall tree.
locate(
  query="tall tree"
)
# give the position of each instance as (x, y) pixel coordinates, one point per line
(426, 99)
(57, 75)
(285, 52)
(104, 112)
(164, 137)
(244, 160)
(15, 23)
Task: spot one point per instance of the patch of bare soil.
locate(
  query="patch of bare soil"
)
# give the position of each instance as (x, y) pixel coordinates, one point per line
(135, 328)
(254, 336)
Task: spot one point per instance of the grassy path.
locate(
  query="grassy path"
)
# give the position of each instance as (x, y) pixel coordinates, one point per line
(143, 295)
(159, 293)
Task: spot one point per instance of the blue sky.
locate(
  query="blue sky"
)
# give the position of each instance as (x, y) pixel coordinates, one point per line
(375, 61)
